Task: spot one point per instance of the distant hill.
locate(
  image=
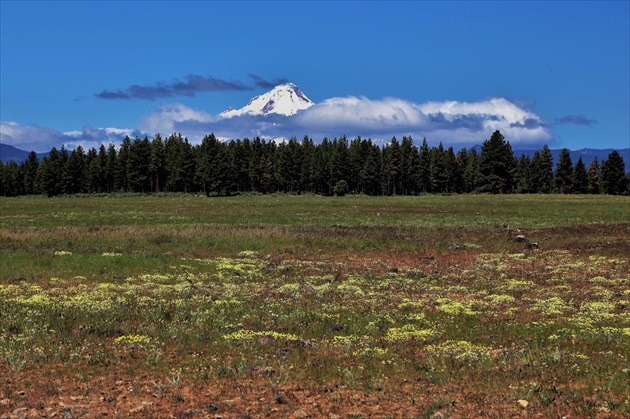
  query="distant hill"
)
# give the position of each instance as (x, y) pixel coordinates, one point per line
(8, 153)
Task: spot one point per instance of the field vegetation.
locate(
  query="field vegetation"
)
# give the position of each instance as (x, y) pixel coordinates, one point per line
(308, 306)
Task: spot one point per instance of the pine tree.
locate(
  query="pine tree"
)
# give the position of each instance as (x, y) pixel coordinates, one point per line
(95, 164)
(357, 154)
(424, 169)
(461, 160)
(11, 182)
(580, 178)
(614, 174)
(51, 173)
(497, 164)
(3, 191)
(206, 170)
(241, 154)
(391, 167)
(138, 165)
(371, 173)
(120, 172)
(594, 184)
(542, 171)
(307, 178)
(472, 172)
(63, 163)
(111, 165)
(156, 164)
(75, 172)
(30, 172)
(450, 161)
(523, 176)
(410, 167)
(564, 172)
(440, 177)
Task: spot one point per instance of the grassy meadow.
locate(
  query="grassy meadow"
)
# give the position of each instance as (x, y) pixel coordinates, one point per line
(310, 306)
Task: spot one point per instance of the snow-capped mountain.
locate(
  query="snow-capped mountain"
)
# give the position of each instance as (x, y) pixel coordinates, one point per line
(285, 99)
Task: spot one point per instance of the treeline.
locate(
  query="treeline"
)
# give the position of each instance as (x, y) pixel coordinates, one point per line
(335, 166)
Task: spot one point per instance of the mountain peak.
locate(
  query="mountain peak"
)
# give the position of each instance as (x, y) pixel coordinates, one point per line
(285, 99)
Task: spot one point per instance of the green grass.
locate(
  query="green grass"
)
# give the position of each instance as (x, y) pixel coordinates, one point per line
(413, 298)
(153, 229)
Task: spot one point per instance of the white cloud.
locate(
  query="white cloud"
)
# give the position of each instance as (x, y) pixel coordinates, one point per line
(40, 139)
(166, 119)
(451, 122)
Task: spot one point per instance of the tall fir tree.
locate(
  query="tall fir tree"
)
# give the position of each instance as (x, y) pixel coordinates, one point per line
(30, 173)
(51, 173)
(75, 173)
(564, 172)
(579, 181)
(542, 171)
(472, 172)
(594, 183)
(614, 174)
(497, 165)
(156, 164)
(371, 171)
(424, 169)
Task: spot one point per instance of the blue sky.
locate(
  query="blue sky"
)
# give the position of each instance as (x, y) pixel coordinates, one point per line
(542, 72)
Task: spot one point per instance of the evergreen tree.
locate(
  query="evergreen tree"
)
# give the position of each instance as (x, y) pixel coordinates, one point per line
(206, 167)
(75, 172)
(424, 169)
(370, 173)
(11, 179)
(409, 167)
(179, 164)
(594, 184)
(241, 155)
(95, 164)
(497, 164)
(580, 178)
(440, 177)
(102, 163)
(461, 160)
(542, 171)
(523, 175)
(323, 158)
(391, 167)
(51, 173)
(307, 178)
(30, 173)
(3, 191)
(138, 165)
(63, 163)
(339, 167)
(120, 172)
(357, 154)
(613, 175)
(111, 165)
(472, 172)
(564, 172)
(451, 169)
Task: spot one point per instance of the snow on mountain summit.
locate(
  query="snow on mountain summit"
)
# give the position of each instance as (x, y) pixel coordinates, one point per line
(285, 99)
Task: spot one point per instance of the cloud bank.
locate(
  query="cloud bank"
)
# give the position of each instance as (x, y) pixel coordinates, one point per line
(451, 122)
(41, 139)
